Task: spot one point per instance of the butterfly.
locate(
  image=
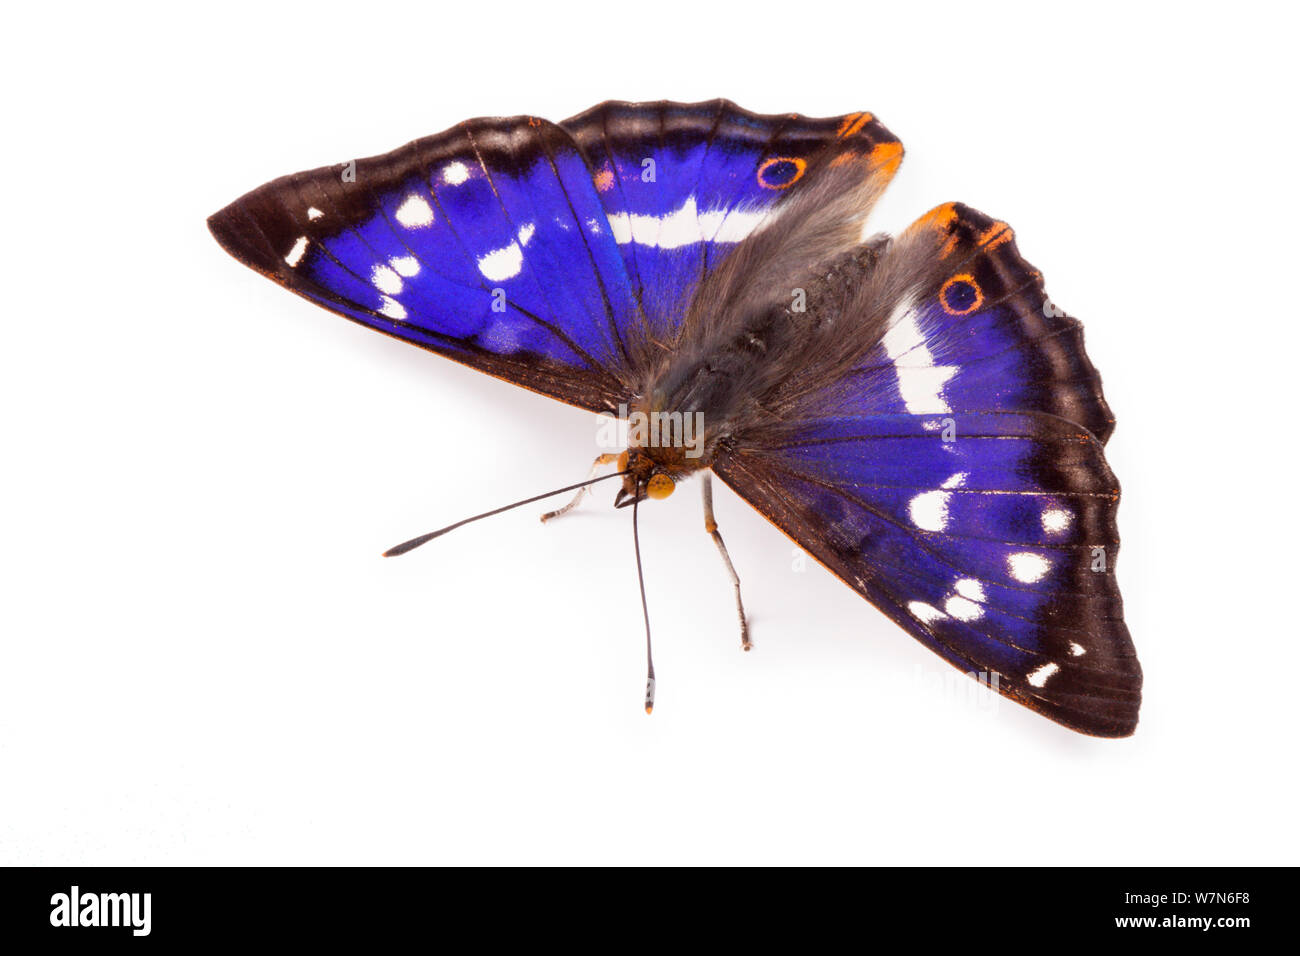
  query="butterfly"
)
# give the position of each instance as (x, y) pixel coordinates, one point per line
(912, 411)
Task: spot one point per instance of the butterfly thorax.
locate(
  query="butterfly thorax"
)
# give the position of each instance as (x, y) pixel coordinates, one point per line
(709, 386)
(737, 370)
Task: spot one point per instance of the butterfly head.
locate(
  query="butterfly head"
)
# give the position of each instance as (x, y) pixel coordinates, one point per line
(645, 477)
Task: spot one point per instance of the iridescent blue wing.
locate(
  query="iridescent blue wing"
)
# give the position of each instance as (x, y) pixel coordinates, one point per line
(956, 476)
(486, 243)
(523, 248)
(683, 183)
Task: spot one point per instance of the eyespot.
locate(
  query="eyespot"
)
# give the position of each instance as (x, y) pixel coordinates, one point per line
(659, 486)
(781, 172)
(961, 295)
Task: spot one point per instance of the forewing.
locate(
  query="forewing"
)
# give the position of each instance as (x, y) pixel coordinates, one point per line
(683, 184)
(487, 244)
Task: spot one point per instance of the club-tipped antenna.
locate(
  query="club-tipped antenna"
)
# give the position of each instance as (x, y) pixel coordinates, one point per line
(406, 546)
(645, 610)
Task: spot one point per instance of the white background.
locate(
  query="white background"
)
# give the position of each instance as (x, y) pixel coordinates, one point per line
(205, 660)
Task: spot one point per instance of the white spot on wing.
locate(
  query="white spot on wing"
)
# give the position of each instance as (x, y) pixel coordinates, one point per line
(1056, 519)
(415, 212)
(736, 224)
(962, 609)
(405, 265)
(503, 263)
(1028, 567)
(392, 308)
(297, 252)
(686, 226)
(313, 213)
(453, 174)
(386, 280)
(1038, 677)
(970, 588)
(925, 612)
(526, 233)
(1076, 650)
(920, 381)
(620, 224)
(929, 510)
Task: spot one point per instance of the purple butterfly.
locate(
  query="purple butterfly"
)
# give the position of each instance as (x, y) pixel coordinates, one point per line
(913, 411)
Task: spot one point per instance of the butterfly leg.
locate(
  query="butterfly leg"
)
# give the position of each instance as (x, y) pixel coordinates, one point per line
(608, 458)
(711, 526)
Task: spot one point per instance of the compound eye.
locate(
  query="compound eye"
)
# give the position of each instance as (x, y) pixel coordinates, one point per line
(659, 486)
(622, 462)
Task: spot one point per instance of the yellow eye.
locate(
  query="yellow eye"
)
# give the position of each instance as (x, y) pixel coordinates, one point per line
(622, 462)
(659, 486)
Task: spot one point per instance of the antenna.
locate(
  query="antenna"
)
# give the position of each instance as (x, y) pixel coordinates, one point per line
(645, 609)
(414, 543)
